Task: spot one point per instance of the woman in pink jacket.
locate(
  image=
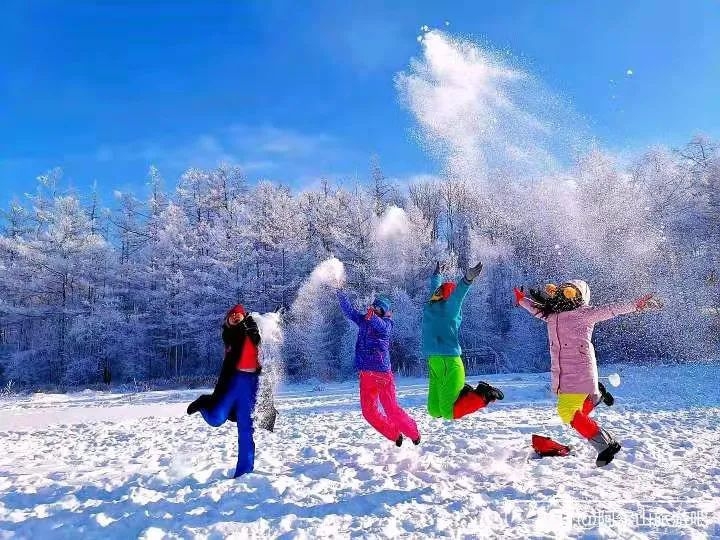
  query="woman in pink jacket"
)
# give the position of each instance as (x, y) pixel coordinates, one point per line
(570, 321)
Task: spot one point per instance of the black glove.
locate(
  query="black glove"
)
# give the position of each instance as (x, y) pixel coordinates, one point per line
(473, 272)
(251, 329)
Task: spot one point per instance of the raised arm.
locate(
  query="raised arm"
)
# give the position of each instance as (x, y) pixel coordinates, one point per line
(531, 308)
(604, 313)
(251, 330)
(458, 296)
(348, 309)
(435, 281)
(382, 325)
(527, 304)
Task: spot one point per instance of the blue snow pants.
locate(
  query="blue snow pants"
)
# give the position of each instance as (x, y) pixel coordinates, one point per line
(240, 397)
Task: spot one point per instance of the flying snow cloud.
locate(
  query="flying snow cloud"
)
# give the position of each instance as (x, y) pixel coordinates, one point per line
(271, 358)
(330, 273)
(393, 225)
(525, 155)
(391, 237)
(478, 112)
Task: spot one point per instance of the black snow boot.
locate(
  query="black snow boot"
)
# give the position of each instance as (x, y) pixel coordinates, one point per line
(607, 455)
(416, 441)
(465, 390)
(606, 447)
(489, 393)
(198, 404)
(399, 441)
(605, 396)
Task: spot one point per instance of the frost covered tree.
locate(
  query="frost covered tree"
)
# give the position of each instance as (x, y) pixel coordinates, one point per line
(53, 272)
(91, 295)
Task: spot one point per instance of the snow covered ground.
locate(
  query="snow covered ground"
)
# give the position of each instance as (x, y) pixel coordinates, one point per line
(96, 465)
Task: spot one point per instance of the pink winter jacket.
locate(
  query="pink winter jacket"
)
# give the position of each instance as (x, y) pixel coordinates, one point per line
(573, 365)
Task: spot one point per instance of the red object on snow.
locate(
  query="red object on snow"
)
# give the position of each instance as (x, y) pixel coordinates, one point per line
(545, 446)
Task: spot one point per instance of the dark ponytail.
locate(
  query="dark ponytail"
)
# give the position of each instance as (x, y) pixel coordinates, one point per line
(556, 303)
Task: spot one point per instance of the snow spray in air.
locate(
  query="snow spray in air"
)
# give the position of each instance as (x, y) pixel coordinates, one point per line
(493, 127)
(394, 245)
(391, 240)
(306, 312)
(330, 272)
(311, 314)
(393, 225)
(480, 114)
(528, 166)
(271, 334)
(271, 360)
(327, 275)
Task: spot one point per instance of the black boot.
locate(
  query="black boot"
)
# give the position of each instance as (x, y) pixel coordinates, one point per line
(489, 393)
(605, 396)
(607, 455)
(416, 441)
(606, 447)
(465, 390)
(198, 404)
(399, 441)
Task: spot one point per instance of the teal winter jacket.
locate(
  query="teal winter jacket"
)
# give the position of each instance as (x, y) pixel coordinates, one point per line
(441, 320)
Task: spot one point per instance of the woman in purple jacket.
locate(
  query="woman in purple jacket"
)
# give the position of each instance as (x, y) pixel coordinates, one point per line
(372, 360)
(570, 321)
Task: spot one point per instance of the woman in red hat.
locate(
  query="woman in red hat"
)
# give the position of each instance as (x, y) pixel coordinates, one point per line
(235, 393)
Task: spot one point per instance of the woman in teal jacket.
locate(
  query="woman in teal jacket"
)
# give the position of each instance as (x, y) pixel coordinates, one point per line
(449, 396)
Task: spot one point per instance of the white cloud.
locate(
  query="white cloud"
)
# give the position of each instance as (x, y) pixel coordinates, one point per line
(279, 141)
(264, 151)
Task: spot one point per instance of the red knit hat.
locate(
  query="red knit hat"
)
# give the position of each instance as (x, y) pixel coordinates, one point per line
(237, 309)
(445, 290)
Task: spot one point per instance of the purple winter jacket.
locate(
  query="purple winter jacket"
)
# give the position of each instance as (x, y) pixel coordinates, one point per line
(372, 349)
(573, 364)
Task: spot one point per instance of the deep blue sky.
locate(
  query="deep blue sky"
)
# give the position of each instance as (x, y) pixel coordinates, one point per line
(294, 90)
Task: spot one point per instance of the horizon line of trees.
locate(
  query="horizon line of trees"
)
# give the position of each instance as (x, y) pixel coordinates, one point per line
(137, 292)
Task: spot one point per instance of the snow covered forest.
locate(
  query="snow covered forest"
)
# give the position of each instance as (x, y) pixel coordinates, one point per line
(96, 291)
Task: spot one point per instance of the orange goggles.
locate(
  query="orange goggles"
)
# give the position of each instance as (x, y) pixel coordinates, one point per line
(568, 291)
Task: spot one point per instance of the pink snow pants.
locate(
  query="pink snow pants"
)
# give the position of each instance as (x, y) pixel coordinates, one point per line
(376, 389)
